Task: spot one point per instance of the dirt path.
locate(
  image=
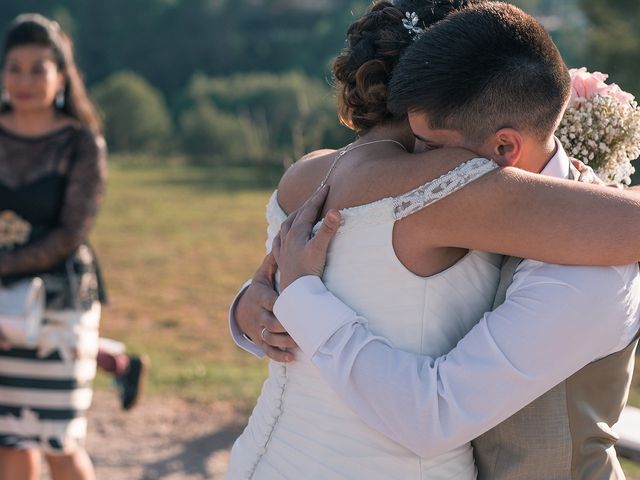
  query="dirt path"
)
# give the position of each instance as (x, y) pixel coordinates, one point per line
(163, 438)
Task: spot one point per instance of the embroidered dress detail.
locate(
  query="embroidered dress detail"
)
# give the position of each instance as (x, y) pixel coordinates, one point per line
(431, 192)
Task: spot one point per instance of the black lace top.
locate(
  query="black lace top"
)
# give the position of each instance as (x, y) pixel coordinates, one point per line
(50, 189)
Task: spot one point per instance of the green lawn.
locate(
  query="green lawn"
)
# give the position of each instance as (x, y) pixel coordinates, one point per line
(175, 243)
(631, 469)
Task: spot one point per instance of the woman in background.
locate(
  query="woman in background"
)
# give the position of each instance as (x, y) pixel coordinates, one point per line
(52, 178)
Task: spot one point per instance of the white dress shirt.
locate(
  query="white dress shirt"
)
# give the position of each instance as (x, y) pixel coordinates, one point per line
(555, 320)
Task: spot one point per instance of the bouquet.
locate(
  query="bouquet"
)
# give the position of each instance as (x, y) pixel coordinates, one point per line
(601, 126)
(13, 230)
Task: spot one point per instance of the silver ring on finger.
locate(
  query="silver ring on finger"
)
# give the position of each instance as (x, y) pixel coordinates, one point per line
(262, 332)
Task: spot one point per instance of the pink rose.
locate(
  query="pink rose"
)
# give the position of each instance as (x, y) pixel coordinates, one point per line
(616, 92)
(585, 85)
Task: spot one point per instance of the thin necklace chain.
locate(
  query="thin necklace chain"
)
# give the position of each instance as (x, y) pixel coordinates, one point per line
(346, 149)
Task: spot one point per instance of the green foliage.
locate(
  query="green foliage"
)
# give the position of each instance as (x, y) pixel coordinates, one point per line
(614, 43)
(166, 41)
(208, 132)
(228, 41)
(291, 113)
(136, 116)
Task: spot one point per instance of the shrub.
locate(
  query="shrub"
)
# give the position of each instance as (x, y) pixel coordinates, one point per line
(292, 112)
(135, 113)
(208, 132)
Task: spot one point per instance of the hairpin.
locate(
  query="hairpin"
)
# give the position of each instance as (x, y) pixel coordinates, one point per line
(411, 24)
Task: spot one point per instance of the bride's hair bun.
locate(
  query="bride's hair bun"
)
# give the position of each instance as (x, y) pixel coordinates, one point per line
(363, 69)
(375, 43)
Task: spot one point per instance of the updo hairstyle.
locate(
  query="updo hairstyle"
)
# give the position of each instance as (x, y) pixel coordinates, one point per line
(363, 69)
(375, 42)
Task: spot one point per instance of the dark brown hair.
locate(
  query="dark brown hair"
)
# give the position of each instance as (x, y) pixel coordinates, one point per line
(374, 45)
(34, 29)
(483, 68)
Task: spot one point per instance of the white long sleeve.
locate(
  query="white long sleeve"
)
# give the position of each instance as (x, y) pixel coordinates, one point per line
(555, 320)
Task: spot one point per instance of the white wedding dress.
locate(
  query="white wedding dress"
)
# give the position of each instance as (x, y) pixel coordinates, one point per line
(300, 429)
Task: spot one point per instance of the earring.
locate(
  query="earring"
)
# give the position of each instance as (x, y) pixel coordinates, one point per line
(59, 101)
(6, 99)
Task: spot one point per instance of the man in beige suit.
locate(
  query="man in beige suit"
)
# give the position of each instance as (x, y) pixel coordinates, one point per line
(540, 380)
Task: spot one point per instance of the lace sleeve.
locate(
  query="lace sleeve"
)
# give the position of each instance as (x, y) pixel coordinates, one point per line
(435, 190)
(85, 188)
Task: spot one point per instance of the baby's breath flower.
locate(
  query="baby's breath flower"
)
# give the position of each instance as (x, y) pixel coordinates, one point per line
(603, 131)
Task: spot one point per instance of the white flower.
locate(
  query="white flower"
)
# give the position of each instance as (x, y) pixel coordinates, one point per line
(605, 133)
(411, 24)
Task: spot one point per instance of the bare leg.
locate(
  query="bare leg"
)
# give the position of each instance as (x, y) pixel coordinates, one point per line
(74, 466)
(23, 464)
(114, 363)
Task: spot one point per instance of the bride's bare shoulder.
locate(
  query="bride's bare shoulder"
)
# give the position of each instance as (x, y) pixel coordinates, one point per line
(303, 178)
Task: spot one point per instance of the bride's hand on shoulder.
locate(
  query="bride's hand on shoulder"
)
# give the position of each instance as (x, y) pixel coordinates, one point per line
(587, 175)
(297, 253)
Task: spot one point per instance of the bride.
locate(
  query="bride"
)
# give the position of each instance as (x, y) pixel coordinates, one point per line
(384, 264)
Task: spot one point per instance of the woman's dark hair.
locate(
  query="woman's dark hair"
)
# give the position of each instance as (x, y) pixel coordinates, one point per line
(375, 42)
(34, 29)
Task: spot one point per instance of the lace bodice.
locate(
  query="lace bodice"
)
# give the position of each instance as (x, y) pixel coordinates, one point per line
(74, 153)
(391, 209)
(431, 192)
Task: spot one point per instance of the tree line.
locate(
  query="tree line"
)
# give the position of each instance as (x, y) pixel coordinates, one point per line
(248, 80)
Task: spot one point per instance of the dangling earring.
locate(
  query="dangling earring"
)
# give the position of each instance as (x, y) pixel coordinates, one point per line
(6, 99)
(59, 101)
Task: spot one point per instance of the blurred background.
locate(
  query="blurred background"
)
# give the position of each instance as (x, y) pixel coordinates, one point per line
(205, 103)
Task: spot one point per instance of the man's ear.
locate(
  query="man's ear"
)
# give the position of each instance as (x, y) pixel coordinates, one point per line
(507, 148)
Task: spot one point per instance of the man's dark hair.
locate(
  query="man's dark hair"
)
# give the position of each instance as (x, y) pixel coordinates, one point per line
(485, 67)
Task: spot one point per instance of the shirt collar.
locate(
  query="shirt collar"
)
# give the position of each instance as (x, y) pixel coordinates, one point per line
(558, 166)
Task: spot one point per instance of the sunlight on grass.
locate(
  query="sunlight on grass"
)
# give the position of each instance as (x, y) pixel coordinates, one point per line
(175, 243)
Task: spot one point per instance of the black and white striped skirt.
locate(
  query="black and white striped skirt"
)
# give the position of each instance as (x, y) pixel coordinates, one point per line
(45, 392)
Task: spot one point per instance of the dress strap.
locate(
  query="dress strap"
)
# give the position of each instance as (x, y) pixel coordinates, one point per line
(437, 189)
(340, 154)
(350, 147)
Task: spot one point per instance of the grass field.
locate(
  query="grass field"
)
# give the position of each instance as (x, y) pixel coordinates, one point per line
(631, 469)
(175, 243)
